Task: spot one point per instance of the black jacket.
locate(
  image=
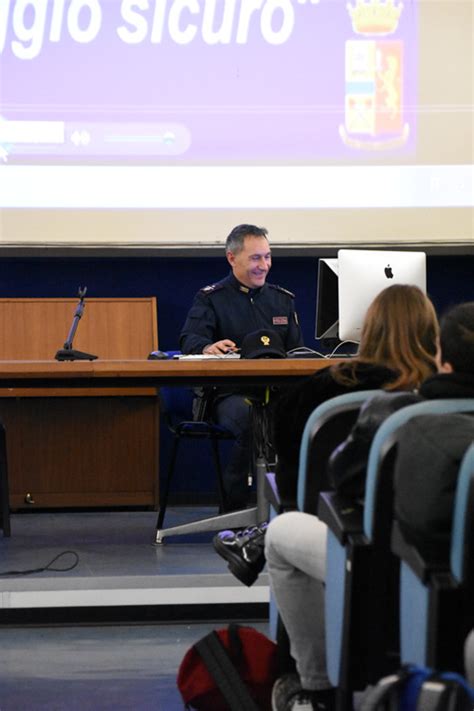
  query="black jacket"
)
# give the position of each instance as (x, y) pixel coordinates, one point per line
(448, 385)
(228, 309)
(429, 454)
(295, 405)
(348, 463)
(347, 466)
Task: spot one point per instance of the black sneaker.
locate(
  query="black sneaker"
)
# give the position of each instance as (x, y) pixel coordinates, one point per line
(288, 695)
(243, 551)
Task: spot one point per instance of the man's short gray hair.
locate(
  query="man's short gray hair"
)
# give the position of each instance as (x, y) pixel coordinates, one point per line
(235, 241)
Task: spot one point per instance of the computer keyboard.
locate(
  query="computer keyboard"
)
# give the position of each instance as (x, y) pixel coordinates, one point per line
(208, 356)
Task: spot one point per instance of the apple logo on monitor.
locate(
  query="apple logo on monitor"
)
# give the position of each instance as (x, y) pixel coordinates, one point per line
(388, 272)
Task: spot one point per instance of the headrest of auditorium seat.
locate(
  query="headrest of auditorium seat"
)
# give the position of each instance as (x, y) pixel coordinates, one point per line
(263, 344)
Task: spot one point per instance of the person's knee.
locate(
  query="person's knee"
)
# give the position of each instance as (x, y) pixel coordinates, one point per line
(233, 413)
(276, 534)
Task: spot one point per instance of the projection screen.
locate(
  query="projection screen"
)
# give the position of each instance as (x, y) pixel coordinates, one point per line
(166, 122)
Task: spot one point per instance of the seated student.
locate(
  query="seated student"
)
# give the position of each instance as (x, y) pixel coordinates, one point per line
(397, 352)
(455, 379)
(424, 498)
(429, 454)
(296, 542)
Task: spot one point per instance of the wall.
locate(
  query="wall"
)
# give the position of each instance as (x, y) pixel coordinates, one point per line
(174, 281)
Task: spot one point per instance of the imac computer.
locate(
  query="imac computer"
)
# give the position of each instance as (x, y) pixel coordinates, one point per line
(347, 285)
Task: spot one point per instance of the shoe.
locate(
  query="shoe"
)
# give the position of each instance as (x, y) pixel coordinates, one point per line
(288, 695)
(244, 552)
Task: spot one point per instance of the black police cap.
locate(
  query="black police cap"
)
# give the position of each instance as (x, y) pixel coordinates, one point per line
(263, 344)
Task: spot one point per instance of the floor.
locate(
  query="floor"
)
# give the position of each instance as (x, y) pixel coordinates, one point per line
(118, 563)
(95, 667)
(94, 615)
(110, 632)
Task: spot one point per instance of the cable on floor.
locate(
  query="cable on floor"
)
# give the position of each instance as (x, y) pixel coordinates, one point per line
(49, 566)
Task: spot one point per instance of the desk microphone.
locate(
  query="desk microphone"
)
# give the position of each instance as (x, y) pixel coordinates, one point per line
(68, 352)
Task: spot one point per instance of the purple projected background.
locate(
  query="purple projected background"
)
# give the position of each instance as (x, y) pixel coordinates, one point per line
(277, 89)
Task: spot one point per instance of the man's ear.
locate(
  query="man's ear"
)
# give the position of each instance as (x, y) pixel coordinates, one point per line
(446, 367)
(230, 258)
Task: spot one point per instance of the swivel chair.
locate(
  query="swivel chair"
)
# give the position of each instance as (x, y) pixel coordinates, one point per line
(362, 574)
(175, 409)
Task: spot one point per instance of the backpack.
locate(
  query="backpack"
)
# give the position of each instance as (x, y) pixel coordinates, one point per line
(415, 688)
(232, 668)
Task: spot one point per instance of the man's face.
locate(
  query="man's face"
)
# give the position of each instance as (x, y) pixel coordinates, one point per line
(252, 264)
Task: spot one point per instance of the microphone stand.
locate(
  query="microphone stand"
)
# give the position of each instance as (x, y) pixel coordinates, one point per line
(68, 352)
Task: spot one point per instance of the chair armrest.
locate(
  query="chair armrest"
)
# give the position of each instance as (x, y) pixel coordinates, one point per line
(423, 566)
(343, 516)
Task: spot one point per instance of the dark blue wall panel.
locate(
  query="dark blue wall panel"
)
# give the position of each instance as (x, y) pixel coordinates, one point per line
(174, 280)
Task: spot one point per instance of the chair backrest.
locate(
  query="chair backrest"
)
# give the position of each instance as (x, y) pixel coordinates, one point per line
(325, 428)
(462, 538)
(435, 603)
(175, 405)
(384, 441)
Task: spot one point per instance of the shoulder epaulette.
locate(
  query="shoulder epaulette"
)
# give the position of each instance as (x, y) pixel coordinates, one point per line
(282, 290)
(211, 288)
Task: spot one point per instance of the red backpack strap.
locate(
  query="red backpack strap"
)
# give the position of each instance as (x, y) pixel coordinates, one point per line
(222, 669)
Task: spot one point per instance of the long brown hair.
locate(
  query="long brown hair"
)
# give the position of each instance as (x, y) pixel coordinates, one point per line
(400, 332)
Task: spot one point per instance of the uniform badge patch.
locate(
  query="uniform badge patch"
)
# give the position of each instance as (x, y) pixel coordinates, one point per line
(280, 320)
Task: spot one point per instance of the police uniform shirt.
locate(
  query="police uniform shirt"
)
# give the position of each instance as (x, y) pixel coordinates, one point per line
(228, 309)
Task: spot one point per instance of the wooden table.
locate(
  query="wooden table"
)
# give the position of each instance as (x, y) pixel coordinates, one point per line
(47, 379)
(69, 446)
(152, 373)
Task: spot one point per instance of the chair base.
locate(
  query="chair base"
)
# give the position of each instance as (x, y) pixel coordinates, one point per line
(233, 519)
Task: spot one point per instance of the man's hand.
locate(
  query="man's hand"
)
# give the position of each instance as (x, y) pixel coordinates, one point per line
(220, 347)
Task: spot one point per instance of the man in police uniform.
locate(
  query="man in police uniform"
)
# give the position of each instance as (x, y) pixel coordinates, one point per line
(221, 316)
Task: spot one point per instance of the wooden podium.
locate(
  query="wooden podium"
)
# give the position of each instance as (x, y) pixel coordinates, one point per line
(80, 447)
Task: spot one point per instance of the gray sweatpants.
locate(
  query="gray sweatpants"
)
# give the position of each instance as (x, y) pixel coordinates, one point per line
(295, 550)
